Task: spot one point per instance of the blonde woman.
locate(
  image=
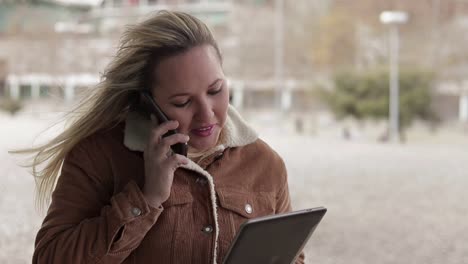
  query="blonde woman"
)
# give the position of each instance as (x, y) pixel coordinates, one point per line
(123, 196)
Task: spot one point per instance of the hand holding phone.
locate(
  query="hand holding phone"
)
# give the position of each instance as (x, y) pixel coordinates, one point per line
(160, 165)
(149, 105)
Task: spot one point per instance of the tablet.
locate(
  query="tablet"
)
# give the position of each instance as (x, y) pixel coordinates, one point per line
(275, 239)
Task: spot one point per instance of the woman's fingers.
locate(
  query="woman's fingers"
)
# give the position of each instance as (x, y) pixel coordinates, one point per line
(161, 146)
(159, 130)
(177, 160)
(173, 139)
(165, 143)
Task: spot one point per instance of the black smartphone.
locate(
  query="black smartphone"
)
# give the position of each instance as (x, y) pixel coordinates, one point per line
(149, 106)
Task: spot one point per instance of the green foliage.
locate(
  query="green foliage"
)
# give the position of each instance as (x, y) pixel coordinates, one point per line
(366, 95)
(10, 105)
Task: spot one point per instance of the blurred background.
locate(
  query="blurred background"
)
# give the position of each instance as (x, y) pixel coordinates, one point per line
(366, 101)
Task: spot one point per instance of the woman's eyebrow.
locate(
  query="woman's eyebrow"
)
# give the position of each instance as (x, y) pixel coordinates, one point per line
(179, 94)
(187, 94)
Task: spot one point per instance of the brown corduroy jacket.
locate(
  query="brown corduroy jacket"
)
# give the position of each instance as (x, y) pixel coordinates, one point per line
(99, 215)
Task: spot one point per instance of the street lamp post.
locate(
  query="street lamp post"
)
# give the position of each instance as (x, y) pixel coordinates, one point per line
(394, 18)
(279, 54)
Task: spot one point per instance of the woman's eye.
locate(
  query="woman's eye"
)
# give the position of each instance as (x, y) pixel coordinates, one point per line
(212, 92)
(181, 104)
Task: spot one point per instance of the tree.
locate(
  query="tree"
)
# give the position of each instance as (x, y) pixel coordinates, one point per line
(366, 95)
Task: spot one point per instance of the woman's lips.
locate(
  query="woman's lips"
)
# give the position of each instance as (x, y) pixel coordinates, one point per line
(205, 131)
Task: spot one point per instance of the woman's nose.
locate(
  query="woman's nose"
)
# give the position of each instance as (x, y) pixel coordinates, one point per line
(204, 111)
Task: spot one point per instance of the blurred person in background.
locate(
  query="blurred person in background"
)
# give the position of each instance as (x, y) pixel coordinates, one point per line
(123, 196)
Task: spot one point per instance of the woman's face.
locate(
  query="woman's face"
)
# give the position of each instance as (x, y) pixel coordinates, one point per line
(191, 88)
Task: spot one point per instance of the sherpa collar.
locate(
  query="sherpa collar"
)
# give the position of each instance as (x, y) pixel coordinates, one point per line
(235, 133)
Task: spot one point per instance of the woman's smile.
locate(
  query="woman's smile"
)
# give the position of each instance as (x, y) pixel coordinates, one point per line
(204, 131)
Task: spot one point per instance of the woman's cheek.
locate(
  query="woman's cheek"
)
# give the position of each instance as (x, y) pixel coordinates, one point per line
(184, 126)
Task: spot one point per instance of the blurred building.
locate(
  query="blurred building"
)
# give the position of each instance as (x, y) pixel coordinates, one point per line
(59, 46)
(56, 47)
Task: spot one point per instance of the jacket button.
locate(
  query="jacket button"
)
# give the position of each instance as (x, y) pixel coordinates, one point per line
(207, 229)
(248, 208)
(136, 211)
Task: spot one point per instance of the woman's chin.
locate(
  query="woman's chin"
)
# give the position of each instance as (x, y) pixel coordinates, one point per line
(204, 144)
(200, 144)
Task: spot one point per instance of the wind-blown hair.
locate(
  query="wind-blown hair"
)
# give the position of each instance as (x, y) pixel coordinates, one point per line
(141, 48)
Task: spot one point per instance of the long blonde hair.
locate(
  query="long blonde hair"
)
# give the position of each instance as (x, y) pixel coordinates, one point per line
(141, 48)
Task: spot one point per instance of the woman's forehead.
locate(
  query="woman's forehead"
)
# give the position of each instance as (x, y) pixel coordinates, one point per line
(197, 67)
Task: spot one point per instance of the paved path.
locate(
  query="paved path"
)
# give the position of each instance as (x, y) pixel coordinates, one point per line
(386, 204)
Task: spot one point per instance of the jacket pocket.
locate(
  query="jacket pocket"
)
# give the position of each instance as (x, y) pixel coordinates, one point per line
(247, 204)
(236, 207)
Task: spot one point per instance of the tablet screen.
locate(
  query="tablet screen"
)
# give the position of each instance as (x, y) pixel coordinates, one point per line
(274, 239)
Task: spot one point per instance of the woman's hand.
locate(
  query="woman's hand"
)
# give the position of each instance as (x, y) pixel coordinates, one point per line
(161, 162)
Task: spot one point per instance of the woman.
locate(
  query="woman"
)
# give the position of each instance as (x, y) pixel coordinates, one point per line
(123, 196)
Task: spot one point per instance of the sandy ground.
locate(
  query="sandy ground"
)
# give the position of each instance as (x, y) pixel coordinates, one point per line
(386, 203)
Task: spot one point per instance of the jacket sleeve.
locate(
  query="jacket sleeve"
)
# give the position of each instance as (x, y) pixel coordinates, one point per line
(84, 224)
(283, 204)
